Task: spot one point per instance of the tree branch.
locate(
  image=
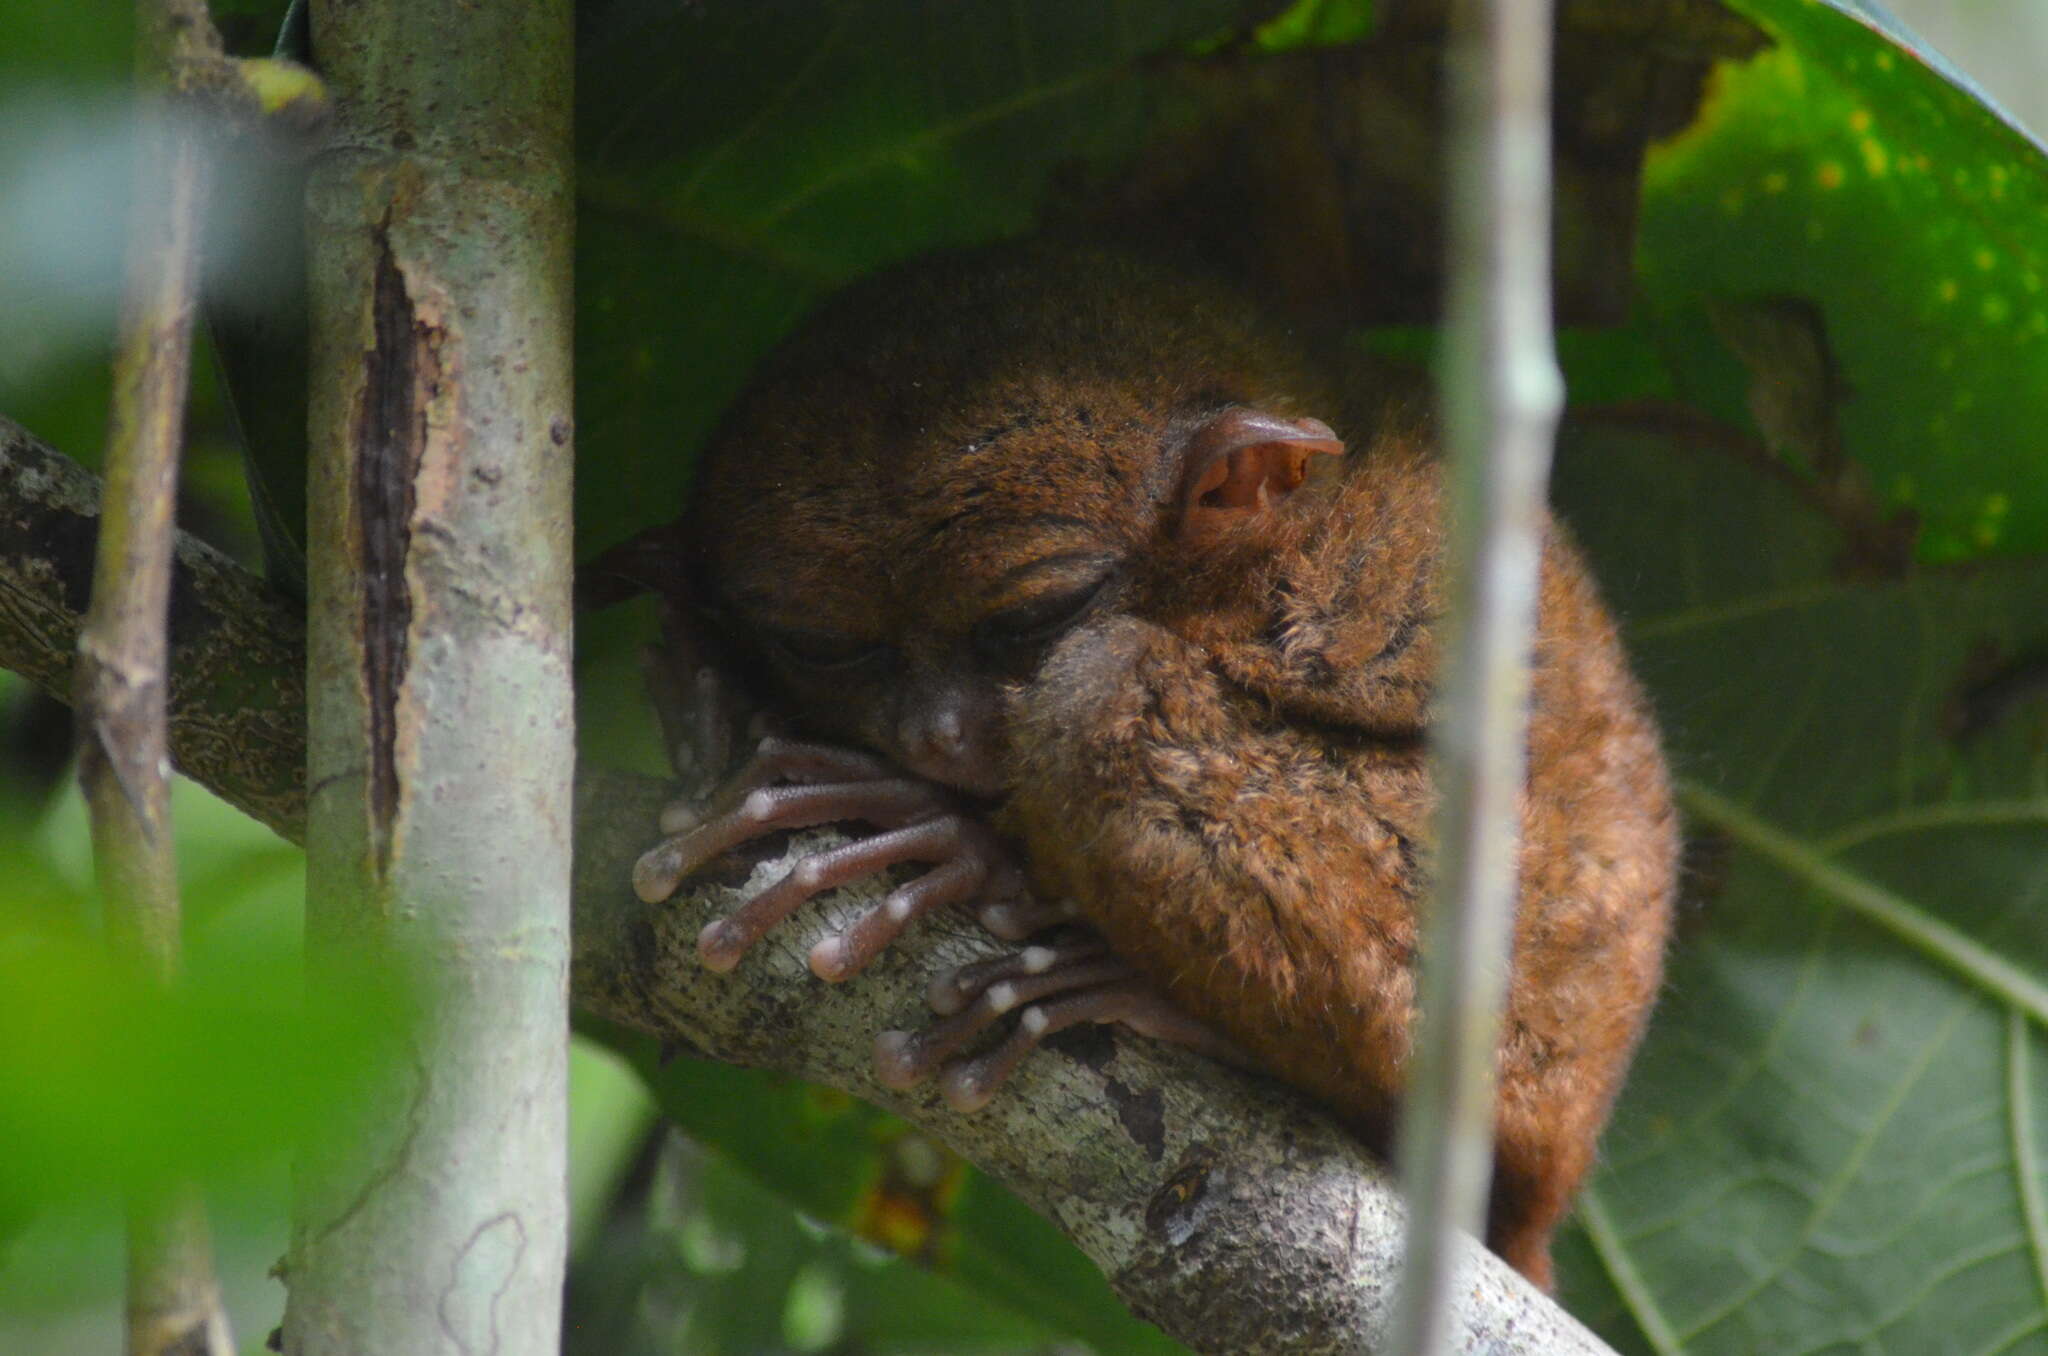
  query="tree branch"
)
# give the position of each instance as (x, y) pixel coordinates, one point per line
(1220, 1207)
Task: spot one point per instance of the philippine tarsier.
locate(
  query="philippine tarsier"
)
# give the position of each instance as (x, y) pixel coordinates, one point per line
(1123, 633)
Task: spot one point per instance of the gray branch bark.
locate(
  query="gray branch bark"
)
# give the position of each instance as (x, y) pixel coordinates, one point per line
(1220, 1207)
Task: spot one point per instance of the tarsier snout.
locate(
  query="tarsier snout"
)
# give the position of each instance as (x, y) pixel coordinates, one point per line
(948, 732)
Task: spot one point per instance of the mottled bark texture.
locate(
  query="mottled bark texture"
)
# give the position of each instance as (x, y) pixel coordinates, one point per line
(441, 741)
(237, 662)
(1222, 1210)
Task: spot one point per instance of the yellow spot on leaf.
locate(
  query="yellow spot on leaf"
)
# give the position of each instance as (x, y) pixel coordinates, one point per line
(1883, 61)
(1991, 519)
(1877, 162)
(1775, 181)
(1859, 121)
(1995, 309)
(1829, 175)
(1731, 201)
(895, 1223)
(1947, 290)
(1985, 258)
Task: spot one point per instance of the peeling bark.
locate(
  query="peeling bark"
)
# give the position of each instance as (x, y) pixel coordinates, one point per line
(388, 430)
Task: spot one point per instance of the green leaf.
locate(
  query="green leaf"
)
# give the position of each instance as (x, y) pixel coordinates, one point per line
(610, 1115)
(737, 161)
(1845, 169)
(1831, 1139)
(114, 1084)
(1317, 23)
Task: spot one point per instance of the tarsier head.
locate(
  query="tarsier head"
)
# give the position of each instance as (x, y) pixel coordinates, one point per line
(954, 467)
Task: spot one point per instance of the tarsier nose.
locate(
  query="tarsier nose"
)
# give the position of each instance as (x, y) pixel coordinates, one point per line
(930, 738)
(939, 739)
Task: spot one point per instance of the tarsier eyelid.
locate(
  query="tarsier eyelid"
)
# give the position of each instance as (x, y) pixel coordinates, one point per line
(822, 650)
(1041, 618)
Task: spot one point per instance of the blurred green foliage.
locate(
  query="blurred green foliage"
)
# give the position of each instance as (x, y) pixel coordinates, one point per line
(712, 1265)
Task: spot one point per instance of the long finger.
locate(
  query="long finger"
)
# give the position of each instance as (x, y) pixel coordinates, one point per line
(968, 1084)
(846, 955)
(905, 1058)
(766, 809)
(955, 989)
(723, 941)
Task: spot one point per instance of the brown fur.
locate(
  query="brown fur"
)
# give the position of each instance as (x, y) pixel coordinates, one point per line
(1222, 758)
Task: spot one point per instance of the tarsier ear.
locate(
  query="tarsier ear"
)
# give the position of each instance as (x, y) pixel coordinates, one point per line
(1244, 463)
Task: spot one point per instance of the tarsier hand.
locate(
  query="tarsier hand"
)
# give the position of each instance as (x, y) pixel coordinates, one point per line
(787, 784)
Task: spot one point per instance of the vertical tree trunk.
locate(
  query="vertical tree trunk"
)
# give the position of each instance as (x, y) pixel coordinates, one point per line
(441, 749)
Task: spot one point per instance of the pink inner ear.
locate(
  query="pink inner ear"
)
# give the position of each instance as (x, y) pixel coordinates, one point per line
(1244, 462)
(1253, 477)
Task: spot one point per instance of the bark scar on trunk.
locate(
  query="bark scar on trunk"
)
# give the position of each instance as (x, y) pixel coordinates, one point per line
(402, 373)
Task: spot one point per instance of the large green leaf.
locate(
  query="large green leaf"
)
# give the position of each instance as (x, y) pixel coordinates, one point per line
(1845, 169)
(1831, 1140)
(735, 161)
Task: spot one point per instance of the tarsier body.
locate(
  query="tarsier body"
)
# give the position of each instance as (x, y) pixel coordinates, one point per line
(1071, 538)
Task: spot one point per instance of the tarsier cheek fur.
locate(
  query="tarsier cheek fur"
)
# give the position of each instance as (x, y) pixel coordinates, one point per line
(1217, 747)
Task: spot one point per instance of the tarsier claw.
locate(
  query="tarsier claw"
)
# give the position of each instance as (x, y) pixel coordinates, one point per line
(658, 872)
(1016, 917)
(718, 948)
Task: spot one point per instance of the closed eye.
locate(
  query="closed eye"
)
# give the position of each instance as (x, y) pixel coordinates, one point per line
(820, 650)
(1037, 621)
